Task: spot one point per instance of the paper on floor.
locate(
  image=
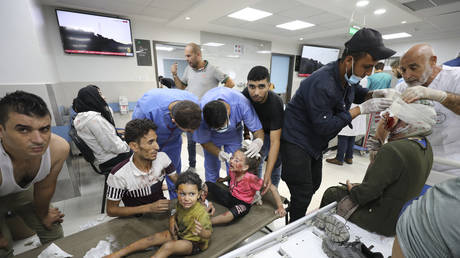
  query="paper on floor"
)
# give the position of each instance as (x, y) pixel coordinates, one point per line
(53, 251)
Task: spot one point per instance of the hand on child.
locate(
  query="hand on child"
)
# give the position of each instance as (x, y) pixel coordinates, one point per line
(159, 206)
(281, 212)
(198, 228)
(222, 179)
(173, 229)
(211, 209)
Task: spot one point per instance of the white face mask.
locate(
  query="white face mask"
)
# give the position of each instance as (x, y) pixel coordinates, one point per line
(353, 78)
(224, 128)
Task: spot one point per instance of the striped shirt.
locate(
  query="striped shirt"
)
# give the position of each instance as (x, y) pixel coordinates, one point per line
(135, 187)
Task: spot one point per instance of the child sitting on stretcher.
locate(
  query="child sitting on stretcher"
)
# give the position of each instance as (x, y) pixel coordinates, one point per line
(242, 188)
(189, 228)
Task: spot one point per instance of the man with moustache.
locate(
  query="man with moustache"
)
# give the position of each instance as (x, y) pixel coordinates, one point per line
(441, 84)
(31, 158)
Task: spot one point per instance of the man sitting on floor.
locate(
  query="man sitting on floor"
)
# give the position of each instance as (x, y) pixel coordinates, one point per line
(397, 174)
(137, 181)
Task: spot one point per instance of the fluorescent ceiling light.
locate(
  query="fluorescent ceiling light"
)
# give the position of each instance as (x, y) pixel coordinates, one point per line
(249, 14)
(404, 22)
(295, 25)
(233, 56)
(188, 18)
(164, 48)
(380, 11)
(264, 51)
(397, 35)
(300, 38)
(213, 44)
(362, 3)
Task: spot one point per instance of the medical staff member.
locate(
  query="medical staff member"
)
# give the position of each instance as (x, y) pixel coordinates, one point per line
(224, 111)
(173, 111)
(321, 108)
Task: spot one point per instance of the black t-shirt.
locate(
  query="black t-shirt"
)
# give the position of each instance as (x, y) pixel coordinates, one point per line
(270, 112)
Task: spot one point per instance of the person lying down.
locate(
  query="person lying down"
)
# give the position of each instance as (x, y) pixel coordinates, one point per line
(243, 186)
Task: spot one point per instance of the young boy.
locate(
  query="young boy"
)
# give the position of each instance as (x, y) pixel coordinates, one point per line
(189, 227)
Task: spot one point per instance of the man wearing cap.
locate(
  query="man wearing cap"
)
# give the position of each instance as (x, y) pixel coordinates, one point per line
(321, 108)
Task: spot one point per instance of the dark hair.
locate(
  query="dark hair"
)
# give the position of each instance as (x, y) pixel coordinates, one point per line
(253, 163)
(89, 99)
(379, 66)
(137, 128)
(215, 114)
(189, 178)
(187, 114)
(395, 64)
(356, 55)
(258, 73)
(23, 103)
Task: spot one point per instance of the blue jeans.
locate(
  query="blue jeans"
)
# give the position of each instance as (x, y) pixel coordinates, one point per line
(191, 147)
(345, 147)
(276, 172)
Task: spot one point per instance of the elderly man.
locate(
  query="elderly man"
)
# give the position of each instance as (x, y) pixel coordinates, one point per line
(397, 174)
(198, 78)
(31, 158)
(426, 80)
(321, 108)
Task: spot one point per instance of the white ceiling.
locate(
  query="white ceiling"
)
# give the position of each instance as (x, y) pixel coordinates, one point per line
(331, 17)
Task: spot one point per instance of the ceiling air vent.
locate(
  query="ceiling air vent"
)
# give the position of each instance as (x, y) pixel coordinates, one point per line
(424, 4)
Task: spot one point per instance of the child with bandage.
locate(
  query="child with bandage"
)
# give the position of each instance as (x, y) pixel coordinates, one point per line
(189, 227)
(242, 187)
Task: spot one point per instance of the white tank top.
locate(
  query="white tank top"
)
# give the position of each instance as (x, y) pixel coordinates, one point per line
(9, 184)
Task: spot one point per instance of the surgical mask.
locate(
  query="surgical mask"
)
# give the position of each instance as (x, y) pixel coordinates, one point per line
(224, 128)
(353, 78)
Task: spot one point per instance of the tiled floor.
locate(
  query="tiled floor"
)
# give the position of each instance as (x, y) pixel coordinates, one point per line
(84, 211)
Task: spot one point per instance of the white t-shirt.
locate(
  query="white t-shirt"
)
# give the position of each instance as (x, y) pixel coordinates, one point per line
(445, 138)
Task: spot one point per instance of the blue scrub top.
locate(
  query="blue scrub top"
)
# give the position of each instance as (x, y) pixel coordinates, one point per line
(154, 106)
(241, 110)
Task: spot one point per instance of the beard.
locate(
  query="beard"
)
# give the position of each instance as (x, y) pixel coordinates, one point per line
(423, 79)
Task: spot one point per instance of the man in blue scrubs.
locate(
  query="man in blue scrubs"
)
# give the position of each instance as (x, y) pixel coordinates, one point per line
(224, 111)
(173, 111)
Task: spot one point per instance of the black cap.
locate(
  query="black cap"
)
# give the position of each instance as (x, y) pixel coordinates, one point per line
(369, 41)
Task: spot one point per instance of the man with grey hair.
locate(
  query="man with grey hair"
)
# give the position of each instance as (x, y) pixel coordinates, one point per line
(199, 77)
(426, 80)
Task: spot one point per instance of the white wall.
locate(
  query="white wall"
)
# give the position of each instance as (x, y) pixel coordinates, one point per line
(25, 54)
(445, 49)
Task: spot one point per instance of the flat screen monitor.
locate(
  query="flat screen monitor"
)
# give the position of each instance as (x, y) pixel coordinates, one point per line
(83, 33)
(314, 57)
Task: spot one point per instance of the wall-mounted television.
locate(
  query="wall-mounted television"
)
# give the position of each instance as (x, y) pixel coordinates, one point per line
(83, 33)
(314, 57)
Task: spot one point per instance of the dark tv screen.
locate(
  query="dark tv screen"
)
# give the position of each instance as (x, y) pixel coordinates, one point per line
(315, 57)
(83, 33)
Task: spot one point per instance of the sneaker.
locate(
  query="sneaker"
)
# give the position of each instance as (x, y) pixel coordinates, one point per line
(349, 250)
(333, 227)
(335, 161)
(338, 250)
(191, 169)
(349, 161)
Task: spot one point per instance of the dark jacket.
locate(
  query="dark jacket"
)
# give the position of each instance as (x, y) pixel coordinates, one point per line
(397, 175)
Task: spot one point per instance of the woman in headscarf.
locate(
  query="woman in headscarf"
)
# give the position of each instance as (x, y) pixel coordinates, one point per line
(95, 126)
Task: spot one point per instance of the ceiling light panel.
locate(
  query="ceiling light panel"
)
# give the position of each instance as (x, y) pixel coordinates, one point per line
(295, 25)
(397, 35)
(380, 11)
(362, 3)
(249, 14)
(213, 44)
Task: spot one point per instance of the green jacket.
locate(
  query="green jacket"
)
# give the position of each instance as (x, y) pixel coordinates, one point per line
(397, 175)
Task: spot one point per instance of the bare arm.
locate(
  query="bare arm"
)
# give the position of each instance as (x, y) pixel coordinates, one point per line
(275, 136)
(259, 134)
(44, 190)
(452, 102)
(280, 211)
(177, 81)
(354, 112)
(173, 177)
(114, 209)
(211, 148)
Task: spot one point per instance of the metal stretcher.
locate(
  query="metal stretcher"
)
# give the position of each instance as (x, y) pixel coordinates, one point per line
(128, 230)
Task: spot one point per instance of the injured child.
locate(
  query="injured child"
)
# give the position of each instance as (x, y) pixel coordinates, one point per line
(242, 188)
(189, 227)
(397, 174)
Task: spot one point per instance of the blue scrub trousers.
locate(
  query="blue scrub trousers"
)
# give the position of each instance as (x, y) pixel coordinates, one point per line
(173, 150)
